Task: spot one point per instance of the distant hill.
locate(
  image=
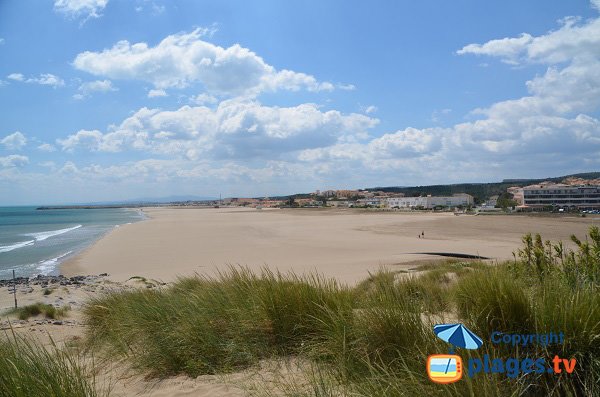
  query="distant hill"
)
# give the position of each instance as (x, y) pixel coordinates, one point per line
(480, 191)
(147, 200)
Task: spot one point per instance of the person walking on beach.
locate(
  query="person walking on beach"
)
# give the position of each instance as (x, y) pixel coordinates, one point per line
(422, 234)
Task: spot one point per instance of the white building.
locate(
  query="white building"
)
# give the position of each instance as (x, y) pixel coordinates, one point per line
(561, 196)
(429, 202)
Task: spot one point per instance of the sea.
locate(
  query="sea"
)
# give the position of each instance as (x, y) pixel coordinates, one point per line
(36, 241)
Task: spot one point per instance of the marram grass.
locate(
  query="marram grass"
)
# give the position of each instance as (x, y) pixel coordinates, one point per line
(29, 369)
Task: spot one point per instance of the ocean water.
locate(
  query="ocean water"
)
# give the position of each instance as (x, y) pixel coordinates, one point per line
(36, 242)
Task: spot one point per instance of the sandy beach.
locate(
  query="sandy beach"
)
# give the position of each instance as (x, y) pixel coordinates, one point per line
(345, 244)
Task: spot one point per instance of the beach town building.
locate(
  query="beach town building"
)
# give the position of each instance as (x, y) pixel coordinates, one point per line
(370, 202)
(341, 203)
(345, 194)
(559, 195)
(308, 202)
(429, 202)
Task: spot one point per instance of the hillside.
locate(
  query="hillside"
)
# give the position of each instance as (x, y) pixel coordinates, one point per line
(480, 191)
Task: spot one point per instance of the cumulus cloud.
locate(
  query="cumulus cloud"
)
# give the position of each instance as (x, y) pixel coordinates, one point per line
(572, 41)
(204, 99)
(538, 132)
(235, 129)
(13, 160)
(370, 109)
(553, 129)
(157, 93)
(87, 139)
(88, 88)
(14, 141)
(42, 79)
(16, 77)
(80, 8)
(46, 147)
(47, 79)
(180, 60)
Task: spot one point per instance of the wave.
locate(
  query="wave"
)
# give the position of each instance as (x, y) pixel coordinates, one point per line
(6, 248)
(41, 236)
(47, 266)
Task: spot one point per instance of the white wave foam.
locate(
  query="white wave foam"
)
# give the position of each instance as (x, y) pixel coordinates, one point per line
(41, 236)
(47, 266)
(6, 248)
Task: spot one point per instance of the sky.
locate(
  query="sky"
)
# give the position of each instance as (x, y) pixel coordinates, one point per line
(108, 100)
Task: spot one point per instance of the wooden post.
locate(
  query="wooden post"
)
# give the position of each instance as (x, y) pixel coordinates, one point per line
(15, 288)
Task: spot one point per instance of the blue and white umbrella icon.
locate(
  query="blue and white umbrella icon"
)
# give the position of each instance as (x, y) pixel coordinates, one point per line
(458, 335)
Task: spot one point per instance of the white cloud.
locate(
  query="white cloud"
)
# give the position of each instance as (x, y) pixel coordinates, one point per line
(240, 143)
(83, 138)
(14, 141)
(46, 147)
(204, 99)
(507, 48)
(16, 77)
(47, 79)
(346, 87)
(80, 8)
(370, 109)
(235, 129)
(572, 41)
(183, 59)
(42, 79)
(157, 93)
(13, 160)
(437, 115)
(87, 88)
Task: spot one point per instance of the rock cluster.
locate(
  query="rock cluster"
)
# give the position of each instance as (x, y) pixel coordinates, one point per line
(45, 281)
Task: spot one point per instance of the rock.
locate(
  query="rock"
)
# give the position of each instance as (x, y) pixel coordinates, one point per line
(57, 322)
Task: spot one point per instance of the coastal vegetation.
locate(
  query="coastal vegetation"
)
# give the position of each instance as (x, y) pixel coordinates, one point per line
(373, 339)
(49, 311)
(29, 369)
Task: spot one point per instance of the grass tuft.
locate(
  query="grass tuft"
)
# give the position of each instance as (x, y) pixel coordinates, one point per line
(49, 311)
(28, 369)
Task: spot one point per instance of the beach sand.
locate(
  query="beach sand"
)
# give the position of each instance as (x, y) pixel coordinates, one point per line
(345, 244)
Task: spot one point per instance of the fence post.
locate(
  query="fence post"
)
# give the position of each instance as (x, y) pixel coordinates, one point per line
(15, 288)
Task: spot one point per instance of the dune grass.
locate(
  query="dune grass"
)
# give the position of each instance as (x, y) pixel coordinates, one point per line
(373, 339)
(28, 369)
(35, 309)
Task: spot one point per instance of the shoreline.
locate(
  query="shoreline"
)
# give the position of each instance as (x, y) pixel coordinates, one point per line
(345, 245)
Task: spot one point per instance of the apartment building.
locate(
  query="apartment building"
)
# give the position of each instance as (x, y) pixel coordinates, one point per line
(429, 202)
(561, 196)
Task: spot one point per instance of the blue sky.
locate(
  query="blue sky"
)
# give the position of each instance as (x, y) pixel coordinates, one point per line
(113, 100)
